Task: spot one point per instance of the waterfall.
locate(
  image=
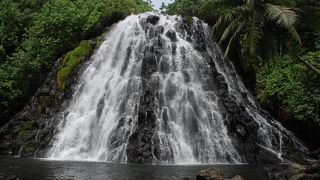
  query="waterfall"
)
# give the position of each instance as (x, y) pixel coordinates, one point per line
(158, 91)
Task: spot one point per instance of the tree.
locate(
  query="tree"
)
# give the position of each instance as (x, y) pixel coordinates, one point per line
(184, 7)
(163, 7)
(249, 17)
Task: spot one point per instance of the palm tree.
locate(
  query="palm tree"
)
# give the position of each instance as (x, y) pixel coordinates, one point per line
(249, 17)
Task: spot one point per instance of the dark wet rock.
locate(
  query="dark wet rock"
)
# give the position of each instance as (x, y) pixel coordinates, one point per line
(161, 41)
(210, 174)
(174, 48)
(237, 177)
(304, 176)
(149, 64)
(295, 169)
(295, 172)
(198, 36)
(159, 30)
(164, 65)
(43, 91)
(315, 154)
(171, 34)
(314, 168)
(275, 172)
(139, 147)
(186, 76)
(153, 19)
(241, 130)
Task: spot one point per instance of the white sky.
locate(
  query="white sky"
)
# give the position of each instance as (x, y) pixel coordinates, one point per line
(157, 3)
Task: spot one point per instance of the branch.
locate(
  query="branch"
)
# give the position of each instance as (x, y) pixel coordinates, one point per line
(309, 65)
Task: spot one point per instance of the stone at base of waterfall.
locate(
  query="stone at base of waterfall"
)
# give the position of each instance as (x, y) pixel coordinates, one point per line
(315, 154)
(237, 177)
(210, 174)
(296, 172)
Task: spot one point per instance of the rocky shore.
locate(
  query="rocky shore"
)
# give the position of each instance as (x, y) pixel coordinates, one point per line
(296, 172)
(291, 172)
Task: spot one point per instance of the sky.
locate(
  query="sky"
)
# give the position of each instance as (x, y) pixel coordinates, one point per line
(157, 3)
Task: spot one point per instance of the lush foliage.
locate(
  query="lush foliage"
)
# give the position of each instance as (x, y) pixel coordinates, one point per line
(293, 84)
(33, 34)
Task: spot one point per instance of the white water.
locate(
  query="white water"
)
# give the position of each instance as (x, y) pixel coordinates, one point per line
(110, 89)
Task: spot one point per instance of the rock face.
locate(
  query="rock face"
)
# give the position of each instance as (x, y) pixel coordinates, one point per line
(29, 132)
(139, 148)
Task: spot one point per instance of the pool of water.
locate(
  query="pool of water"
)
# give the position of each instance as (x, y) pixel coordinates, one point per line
(33, 169)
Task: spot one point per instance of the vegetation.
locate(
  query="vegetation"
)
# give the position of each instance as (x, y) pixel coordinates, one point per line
(72, 59)
(285, 80)
(34, 34)
(275, 41)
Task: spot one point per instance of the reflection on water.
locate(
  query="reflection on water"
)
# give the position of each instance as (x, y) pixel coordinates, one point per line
(33, 169)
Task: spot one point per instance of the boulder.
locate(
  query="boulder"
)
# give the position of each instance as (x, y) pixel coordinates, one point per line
(237, 177)
(314, 168)
(152, 19)
(171, 34)
(210, 174)
(295, 172)
(295, 169)
(315, 154)
(304, 176)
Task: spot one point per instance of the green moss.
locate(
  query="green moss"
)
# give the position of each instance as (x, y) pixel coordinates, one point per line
(72, 59)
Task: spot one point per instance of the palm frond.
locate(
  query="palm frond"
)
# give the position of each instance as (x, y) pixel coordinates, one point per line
(295, 34)
(251, 4)
(226, 53)
(217, 25)
(227, 19)
(284, 17)
(228, 31)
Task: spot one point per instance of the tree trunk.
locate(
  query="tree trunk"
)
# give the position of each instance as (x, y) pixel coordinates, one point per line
(309, 65)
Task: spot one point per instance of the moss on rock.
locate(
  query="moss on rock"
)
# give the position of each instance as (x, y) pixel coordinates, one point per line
(72, 59)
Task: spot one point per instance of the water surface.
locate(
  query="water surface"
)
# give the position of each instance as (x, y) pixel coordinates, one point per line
(33, 169)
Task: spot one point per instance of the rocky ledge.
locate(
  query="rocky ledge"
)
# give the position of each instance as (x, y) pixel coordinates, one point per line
(291, 172)
(295, 172)
(214, 174)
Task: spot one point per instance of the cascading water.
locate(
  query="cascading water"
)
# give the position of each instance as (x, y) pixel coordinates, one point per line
(157, 91)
